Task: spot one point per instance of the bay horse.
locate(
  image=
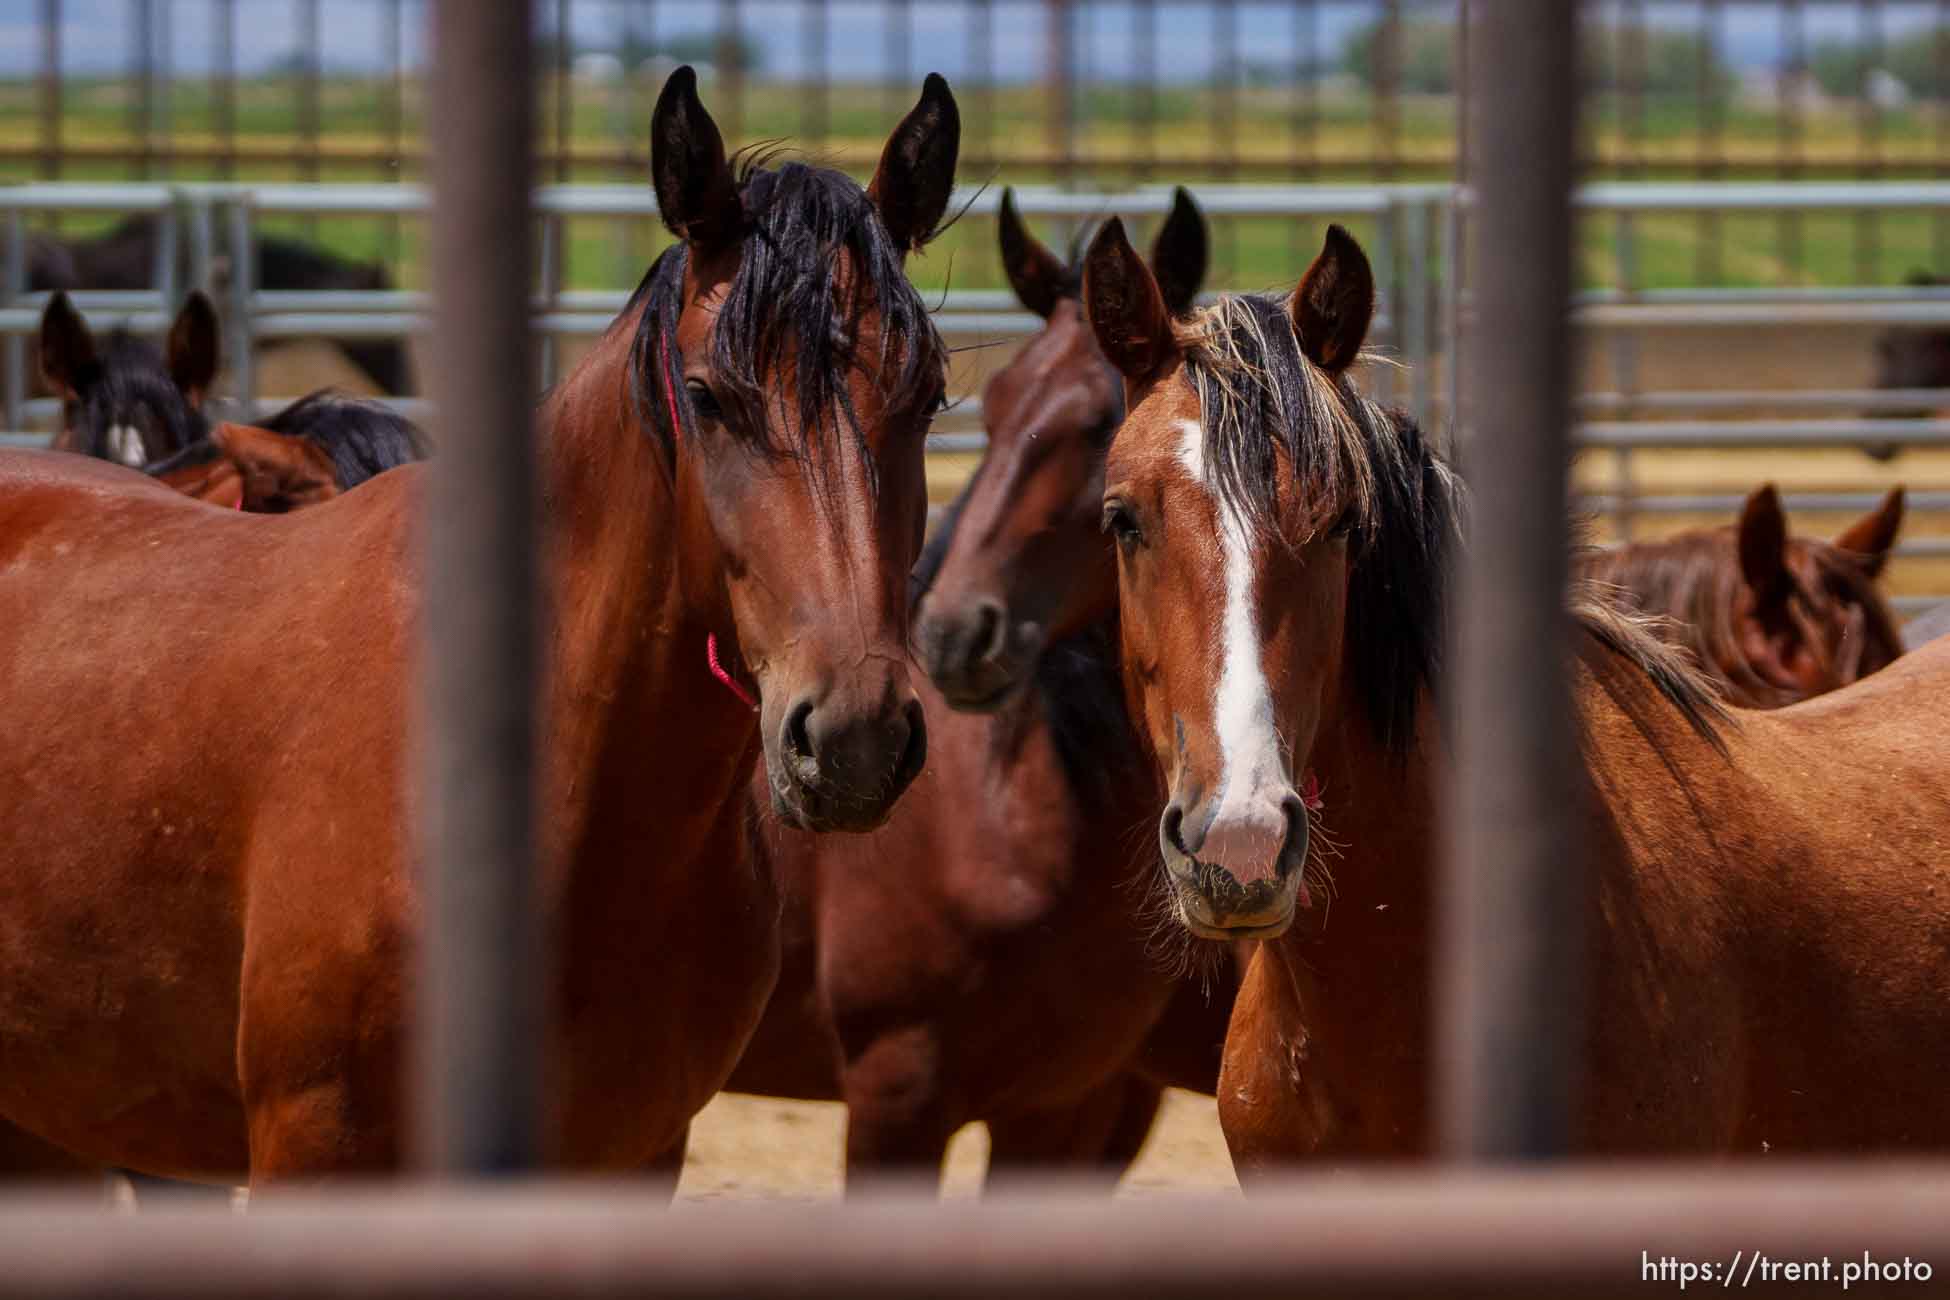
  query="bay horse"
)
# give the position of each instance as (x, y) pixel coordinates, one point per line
(140, 406)
(981, 957)
(1771, 925)
(730, 483)
(1774, 618)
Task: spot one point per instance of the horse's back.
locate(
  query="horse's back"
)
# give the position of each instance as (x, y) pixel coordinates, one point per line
(184, 692)
(1841, 879)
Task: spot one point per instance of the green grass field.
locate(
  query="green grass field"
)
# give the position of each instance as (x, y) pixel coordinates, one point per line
(1329, 138)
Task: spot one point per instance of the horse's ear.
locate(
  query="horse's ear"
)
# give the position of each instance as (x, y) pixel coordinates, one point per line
(917, 168)
(697, 196)
(193, 347)
(1125, 308)
(1869, 538)
(280, 471)
(1179, 253)
(1334, 303)
(1763, 545)
(1037, 275)
(67, 348)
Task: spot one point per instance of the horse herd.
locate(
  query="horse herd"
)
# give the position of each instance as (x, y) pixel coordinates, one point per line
(1160, 808)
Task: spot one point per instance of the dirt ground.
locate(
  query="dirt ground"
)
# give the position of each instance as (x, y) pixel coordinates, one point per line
(760, 1148)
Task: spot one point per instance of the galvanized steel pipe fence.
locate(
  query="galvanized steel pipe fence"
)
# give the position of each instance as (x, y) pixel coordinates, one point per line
(1418, 233)
(1471, 1231)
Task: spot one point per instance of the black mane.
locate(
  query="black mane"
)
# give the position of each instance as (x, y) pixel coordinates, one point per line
(786, 307)
(363, 438)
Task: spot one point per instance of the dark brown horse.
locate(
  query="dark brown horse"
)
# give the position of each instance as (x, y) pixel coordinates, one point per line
(982, 956)
(209, 907)
(1771, 931)
(131, 403)
(1774, 617)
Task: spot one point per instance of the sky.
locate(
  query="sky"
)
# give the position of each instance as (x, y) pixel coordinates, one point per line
(98, 36)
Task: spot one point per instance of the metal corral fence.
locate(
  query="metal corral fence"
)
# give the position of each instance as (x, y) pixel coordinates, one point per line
(1094, 94)
(1510, 930)
(1418, 232)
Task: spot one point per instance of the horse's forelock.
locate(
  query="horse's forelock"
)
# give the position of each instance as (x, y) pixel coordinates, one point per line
(816, 262)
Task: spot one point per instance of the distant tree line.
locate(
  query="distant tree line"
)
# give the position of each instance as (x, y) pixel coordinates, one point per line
(1919, 61)
(1665, 62)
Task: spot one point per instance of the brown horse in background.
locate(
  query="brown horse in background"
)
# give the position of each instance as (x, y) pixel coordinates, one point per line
(982, 956)
(128, 402)
(209, 907)
(1771, 926)
(1774, 617)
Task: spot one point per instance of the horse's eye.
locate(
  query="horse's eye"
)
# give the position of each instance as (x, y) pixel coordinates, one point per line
(703, 400)
(1343, 525)
(1120, 521)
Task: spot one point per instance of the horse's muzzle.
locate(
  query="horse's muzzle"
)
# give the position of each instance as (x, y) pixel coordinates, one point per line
(1236, 873)
(838, 769)
(977, 658)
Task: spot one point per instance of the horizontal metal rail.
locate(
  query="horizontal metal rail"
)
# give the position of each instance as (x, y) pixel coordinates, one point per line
(1595, 1231)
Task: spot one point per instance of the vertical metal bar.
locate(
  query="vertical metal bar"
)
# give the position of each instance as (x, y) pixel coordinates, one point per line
(1387, 89)
(1868, 226)
(731, 68)
(1794, 87)
(1625, 372)
(550, 267)
(1414, 307)
(1630, 86)
(1146, 105)
(51, 106)
(1517, 889)
(817, 36)
(1940, 91)
(163, 89)
(203, 242)
(223, 89)
(982, 41)
(1452, 291)
(16, 345)
(1061, 74)
(1225, 125)
(142, 52)
(900, 57)
(1388, 267)
(395, 123)
(481, 1032)
(242, 344)
(310, 113)
(167, 244)
(1712, 140)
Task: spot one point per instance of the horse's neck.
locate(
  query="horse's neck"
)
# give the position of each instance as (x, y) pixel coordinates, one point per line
(641, 739)
(1362, 985)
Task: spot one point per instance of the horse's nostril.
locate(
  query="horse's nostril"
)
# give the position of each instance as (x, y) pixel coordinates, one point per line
(798, 739)
(1173, 828)
(991, 632)
(914, 754)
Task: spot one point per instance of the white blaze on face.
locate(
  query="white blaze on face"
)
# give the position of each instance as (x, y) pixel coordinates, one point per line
(125, 446)
(1249, 825)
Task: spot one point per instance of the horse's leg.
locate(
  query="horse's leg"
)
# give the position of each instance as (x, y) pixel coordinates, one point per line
(898, 1116)
(1263, 1108)
(1096, 1138)
(663, 1171)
